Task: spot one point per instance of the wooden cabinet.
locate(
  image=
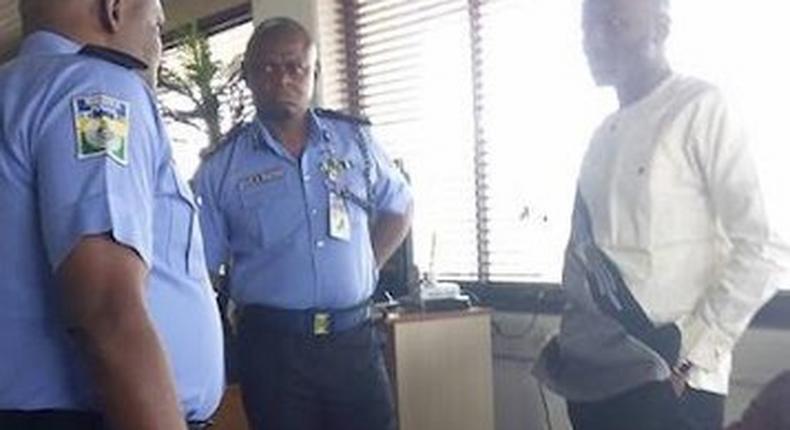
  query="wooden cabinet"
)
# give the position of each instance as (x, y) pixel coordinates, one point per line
(440, 363)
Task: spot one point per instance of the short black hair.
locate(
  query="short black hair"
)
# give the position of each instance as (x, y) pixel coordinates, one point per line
(273, 28)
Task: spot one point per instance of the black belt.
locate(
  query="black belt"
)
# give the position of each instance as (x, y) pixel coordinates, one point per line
(309, 322)
(56, 419)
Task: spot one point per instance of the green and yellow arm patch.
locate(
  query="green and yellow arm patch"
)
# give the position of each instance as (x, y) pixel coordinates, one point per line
(102, 127)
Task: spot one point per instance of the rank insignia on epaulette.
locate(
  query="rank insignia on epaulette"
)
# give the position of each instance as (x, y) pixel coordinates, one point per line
(102, 127)
(334, 168)
(343, 116)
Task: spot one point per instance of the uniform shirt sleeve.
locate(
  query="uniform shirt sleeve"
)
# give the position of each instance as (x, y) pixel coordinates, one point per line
(84, 189)
(391, 191)
(757, 260)
(212, 223)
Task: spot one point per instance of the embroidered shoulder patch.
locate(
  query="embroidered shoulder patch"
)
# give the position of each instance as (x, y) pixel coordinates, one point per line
(102, 126)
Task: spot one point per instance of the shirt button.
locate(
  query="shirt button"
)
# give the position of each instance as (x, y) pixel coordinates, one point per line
(319, 244)
(307, 178)
(199, 201)
(314, 212)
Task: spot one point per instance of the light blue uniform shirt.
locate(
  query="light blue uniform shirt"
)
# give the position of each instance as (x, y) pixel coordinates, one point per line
(266, 214)
(55, 189)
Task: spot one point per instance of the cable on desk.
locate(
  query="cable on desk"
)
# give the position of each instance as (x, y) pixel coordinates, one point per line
(475, 298)
(518, 335)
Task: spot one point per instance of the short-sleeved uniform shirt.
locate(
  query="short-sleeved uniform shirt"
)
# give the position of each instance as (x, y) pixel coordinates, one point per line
(83, 151)
(267, 213)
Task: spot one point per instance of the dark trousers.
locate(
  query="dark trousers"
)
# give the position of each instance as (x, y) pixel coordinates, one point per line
(299, 382)
(50, 420)
(652, 406)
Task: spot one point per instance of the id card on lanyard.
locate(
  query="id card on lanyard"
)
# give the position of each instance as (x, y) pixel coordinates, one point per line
(339, 218)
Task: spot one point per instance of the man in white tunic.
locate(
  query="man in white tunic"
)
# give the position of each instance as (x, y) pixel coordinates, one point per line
(671, 253)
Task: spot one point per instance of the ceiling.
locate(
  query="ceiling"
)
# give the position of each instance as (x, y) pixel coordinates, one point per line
(179, 12)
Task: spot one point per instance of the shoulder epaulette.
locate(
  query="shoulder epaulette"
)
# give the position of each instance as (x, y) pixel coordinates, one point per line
(111, 55)
(230, 136)
(343, 116)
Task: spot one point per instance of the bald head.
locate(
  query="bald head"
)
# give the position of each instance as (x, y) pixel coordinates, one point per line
(637, 9)
(129, 26)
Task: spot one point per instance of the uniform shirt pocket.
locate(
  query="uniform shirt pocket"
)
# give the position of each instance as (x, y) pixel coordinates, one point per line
(273, 210)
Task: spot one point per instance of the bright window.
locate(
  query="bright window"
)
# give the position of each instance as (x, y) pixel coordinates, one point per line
(490, 105)
(226, 47)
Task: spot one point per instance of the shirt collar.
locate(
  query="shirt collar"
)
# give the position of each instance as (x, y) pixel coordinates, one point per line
(653, 94)
(47, 42)
(317, 132)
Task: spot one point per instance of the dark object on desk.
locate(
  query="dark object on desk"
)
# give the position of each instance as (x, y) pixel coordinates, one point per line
(398, 274)
(445, 305)
(413, 304)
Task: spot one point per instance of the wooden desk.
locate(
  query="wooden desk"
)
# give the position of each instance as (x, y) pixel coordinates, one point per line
(440, 363)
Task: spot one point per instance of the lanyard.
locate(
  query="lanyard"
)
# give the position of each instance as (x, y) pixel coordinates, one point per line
(333, 168)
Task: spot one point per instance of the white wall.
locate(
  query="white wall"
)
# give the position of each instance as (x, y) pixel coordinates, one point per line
(303, 11)
(517, 400)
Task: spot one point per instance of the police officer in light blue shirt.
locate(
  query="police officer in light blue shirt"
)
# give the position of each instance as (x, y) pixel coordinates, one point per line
(303, 207)
(107, 318)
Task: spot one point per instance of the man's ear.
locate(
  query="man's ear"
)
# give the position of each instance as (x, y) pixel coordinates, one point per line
(110, 11)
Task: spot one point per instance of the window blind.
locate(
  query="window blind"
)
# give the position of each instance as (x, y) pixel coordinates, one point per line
(485, 101)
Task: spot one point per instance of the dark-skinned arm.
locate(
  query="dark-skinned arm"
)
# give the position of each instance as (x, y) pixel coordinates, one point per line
(388, 232)
(104, 300)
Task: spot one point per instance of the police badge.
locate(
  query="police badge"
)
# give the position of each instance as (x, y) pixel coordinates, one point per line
(102, 127)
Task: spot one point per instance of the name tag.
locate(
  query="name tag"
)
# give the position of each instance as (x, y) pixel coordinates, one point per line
(263, 177)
